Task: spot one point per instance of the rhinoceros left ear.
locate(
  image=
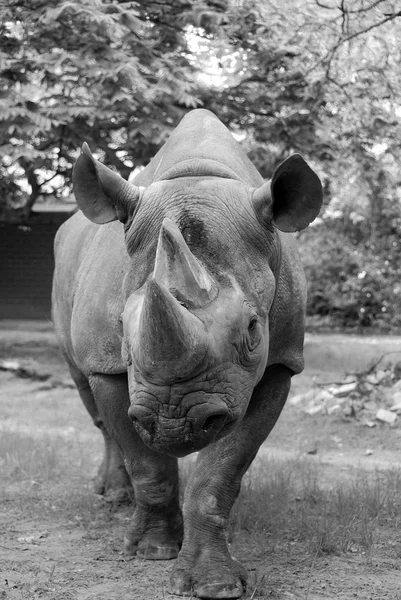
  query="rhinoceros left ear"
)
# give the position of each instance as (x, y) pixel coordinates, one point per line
(101, 194)
(292, 199)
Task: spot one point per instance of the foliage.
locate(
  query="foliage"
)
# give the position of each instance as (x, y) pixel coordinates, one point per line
(355, 283)
(315, 77)
(116, 74)
(322, 78)
(319, 77)
(291, 76)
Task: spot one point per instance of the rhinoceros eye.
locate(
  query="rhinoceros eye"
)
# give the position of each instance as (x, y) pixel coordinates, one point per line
(252, 324)
(253, 337)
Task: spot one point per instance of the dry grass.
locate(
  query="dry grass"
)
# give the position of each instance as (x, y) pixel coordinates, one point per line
(279, 501)
(289, 528)
(282, 507)
(288, 505)
(51, 473)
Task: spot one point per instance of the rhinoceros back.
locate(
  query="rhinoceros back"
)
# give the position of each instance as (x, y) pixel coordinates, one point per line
(200, 146)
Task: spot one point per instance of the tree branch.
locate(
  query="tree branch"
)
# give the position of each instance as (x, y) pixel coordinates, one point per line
(33, 182)
(374, 26)
(330, 54)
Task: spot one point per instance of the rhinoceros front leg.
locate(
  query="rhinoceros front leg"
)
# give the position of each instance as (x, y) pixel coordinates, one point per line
(156, 530)
(204, 566)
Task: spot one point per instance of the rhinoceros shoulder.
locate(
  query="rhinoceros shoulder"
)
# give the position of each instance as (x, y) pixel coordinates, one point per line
(287, 314)
(91, 263)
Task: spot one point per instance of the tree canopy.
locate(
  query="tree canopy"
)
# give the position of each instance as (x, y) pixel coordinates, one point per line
(116, 74)
(317, 77)
(320, 77)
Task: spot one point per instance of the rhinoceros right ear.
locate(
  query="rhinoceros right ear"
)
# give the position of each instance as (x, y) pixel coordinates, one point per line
(102, 194)
(292, 199)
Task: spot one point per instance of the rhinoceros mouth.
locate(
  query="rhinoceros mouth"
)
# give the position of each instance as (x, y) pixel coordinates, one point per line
(202, 425)
(178, 447)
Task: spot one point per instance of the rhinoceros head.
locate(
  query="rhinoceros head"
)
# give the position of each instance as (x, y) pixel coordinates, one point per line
(204, 264)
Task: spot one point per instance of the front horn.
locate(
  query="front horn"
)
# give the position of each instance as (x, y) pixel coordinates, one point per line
(171, 342)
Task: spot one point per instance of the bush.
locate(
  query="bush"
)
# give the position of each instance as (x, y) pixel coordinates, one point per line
(354, 282)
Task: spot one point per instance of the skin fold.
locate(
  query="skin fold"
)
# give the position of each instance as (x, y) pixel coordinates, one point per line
(179, 303)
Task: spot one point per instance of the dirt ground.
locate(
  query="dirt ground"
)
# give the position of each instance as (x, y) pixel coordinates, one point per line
(60, 541)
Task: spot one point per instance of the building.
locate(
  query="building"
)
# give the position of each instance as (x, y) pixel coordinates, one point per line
(27, 262)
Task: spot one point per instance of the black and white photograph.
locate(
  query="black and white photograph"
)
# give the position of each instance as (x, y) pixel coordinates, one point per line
(200, 299)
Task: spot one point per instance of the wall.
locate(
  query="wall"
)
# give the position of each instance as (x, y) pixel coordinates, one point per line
(26, 266)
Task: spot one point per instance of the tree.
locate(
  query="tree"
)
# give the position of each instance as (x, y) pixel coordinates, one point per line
(320, 77)
(121, 74)
(114, 73)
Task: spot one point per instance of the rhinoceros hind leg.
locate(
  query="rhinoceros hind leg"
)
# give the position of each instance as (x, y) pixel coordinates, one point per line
(112, 479)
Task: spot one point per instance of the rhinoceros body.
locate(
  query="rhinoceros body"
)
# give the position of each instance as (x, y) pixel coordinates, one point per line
(179, 303)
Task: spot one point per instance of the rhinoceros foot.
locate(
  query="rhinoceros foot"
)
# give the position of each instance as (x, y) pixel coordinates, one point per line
(154, 537)
(209, 579)
(113, 482)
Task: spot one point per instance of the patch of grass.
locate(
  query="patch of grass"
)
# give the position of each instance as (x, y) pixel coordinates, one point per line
(23, 457)
(287, 505)
(280, 504)
(257, 586)
(47, 473)
(45, 458)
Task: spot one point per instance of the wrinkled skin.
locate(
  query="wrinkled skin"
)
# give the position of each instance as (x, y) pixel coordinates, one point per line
(180, 312)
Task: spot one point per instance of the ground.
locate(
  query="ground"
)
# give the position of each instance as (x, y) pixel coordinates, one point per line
(318, 519)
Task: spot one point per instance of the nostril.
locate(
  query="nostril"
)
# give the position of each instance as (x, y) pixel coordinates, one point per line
(207, 417)
(142, 417)
(132, 413)
(214, 422)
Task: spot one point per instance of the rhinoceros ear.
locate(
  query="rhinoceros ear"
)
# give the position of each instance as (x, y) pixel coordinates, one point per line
(292, 199)
(101, 194)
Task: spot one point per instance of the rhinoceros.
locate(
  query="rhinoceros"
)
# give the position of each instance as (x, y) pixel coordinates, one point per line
(179, 304)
